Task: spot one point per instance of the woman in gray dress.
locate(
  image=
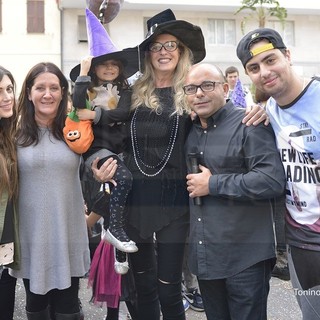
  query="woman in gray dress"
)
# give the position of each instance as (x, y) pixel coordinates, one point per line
(54, 242)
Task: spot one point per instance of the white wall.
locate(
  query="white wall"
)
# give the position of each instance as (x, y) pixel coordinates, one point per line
(19, 50)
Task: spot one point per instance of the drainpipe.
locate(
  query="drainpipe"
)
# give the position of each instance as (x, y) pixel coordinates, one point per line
(61, 34)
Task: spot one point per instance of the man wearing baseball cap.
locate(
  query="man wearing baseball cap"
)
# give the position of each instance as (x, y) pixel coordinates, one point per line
(294, 110)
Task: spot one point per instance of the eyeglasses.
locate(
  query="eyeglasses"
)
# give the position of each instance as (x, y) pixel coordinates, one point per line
(205, 86)
(157, 46)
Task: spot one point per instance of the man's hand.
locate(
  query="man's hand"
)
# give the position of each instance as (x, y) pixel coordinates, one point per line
(198, 183)
(106, 171)
(254, 115)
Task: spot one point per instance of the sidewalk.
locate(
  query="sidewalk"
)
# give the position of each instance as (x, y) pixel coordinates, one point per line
(282, 303)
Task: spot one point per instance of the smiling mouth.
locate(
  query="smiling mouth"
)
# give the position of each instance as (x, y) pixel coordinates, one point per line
(164, 60)
(269, 81)
(201, 104)
(7, 106)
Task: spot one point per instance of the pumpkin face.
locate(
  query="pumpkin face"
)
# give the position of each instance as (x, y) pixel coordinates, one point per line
(78, 135)
(73, 135)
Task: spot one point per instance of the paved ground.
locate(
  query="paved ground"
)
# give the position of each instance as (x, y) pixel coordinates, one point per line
(282, 304)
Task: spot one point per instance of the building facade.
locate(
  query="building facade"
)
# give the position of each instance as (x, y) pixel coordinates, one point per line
(59, 35)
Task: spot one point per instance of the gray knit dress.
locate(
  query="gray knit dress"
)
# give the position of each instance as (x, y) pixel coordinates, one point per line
(53, 233)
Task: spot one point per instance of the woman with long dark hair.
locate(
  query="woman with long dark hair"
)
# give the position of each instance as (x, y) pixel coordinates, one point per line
(54, 241)
(9, 244)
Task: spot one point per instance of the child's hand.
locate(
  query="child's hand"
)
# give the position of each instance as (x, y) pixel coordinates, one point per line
(86, 114)
(112, 96)
(85, 66)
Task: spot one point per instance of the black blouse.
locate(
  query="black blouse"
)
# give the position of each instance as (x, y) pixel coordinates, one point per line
(155, 156)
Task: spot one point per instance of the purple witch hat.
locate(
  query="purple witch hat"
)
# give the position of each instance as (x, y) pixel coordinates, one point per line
(102, 48)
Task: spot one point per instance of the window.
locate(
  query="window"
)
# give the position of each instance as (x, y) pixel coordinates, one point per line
(286, 31)
(145, 28)
(82, 29)
(222, 31)
(35, 16)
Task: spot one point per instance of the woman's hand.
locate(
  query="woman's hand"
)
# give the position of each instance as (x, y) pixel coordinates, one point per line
(106, 172)
(254, 115)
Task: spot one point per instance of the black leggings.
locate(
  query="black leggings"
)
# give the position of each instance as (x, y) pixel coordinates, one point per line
(118, 199)
(113, 313)
(7, 295)
(157, 269)
(60, 301)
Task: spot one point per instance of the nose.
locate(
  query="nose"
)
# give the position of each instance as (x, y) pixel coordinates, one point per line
(163, 49)
(199, 92)
(47, 92)
(264, 70)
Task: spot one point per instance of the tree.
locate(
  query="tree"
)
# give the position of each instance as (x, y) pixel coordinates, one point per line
(262, 9)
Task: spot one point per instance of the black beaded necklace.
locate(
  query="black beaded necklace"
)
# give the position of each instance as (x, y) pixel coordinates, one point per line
(174, 123)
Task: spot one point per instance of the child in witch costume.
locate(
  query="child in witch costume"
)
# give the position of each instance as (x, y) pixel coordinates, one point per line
(101, 80)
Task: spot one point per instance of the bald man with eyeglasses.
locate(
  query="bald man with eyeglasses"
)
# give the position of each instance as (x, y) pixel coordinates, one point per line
(232, 248)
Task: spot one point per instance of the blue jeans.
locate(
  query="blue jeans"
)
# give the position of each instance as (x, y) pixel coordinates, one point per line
(241, 297)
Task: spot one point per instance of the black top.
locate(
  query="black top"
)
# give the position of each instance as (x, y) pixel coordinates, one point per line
(155, 157)
(233, 228)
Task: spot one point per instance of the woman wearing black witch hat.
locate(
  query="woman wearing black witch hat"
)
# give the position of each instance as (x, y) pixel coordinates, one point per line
(158, 203)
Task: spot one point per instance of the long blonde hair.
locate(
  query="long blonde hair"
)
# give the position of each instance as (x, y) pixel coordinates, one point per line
(8, 154)
(144, 87)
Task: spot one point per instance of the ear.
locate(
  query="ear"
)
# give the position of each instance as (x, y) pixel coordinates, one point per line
(287, 55)
(225, 88)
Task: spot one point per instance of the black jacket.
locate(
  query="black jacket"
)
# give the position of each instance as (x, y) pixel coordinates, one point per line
(109, 126)
(233, 228)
